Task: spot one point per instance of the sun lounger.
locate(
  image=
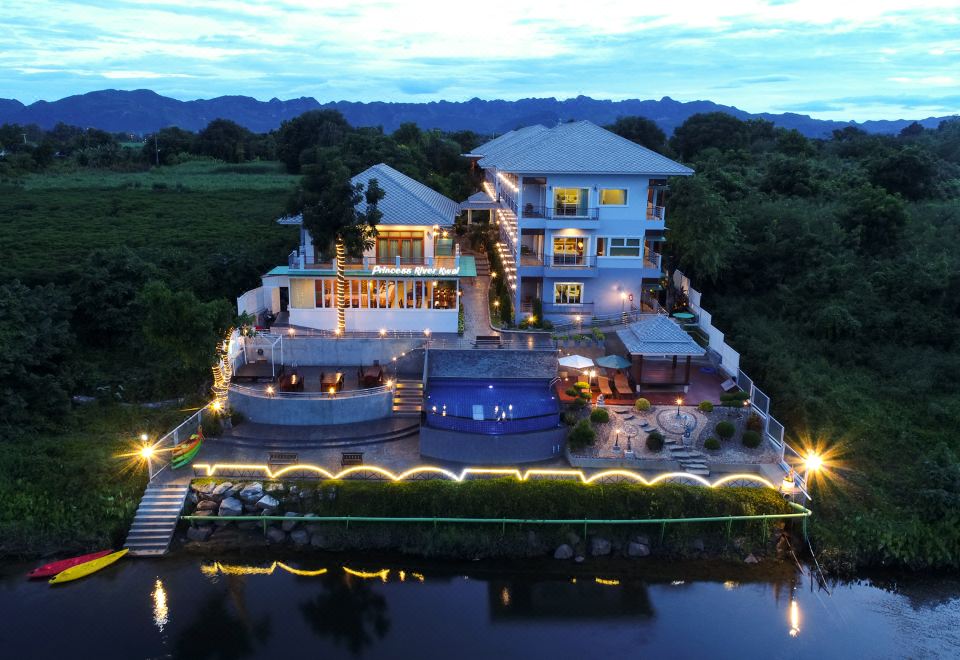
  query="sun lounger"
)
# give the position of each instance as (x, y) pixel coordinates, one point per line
(728, 384)
(622, 384)
(604, 384)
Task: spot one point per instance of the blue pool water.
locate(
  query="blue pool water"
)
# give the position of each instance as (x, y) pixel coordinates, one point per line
(492, 407)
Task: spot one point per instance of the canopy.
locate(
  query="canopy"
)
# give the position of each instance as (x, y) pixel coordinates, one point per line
(576, 362)
(613, 362)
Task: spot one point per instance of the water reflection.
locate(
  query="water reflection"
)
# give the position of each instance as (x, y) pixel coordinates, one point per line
(544, 598)
(348, 610)
(794, 618)
(161, 615)
(221, 632)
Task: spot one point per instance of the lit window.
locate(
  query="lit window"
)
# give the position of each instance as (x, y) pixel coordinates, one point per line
(613, 197)
(568, 293)
(570, 201)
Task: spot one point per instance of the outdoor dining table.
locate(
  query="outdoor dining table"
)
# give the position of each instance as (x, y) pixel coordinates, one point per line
(332, 379)
(291, 382)
(372, 375)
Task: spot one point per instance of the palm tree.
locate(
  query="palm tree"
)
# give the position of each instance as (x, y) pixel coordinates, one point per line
(339, 215)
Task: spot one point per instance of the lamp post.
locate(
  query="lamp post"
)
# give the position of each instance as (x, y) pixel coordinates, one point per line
(146, 452)
(623, 300)
(679, 403)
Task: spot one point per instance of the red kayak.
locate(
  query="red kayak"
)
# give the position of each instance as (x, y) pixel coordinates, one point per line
(49, 570)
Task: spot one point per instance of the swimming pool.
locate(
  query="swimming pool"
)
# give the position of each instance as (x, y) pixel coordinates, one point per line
(491, 407)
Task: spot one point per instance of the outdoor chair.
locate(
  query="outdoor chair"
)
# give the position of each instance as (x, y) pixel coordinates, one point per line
(622, 384)
(604, 385)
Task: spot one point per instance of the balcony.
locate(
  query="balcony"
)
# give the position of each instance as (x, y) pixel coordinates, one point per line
(656, 213)
(295, 261)
(570, 261)
(561, 212)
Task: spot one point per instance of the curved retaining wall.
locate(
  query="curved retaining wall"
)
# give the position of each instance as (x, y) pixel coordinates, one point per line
(479, 449)
(298, 410)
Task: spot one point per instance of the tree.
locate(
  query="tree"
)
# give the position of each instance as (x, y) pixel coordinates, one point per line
(182, 329)
(167, 144)
(712, 129)
(874, 216)
(317, 128)
(408, 133)
(225, 140)
(338, 213)
(104, 290)
(640, 130)
(910, 171)
(35, 377)
(702, 231)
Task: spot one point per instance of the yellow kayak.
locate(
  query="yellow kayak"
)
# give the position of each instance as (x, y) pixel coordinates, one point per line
(83, 570)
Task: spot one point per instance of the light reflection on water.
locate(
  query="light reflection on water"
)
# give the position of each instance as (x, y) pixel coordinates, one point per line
(348, 608)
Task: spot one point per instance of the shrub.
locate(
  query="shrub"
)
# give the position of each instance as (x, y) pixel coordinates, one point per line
(237, 417)
(641, 405)
(711, 443)
(733, 398)
(578, 403)
(571, 391)
(212, 426)
(755, 423)
(546, 324)
(705, 406)
(655, 441)
(583, 386)
(726, 429)
(751, 439)
(569, 417)
(599, 416)
(581, 435)
(599, 336)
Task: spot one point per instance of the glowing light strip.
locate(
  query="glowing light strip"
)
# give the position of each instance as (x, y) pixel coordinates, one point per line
(383, 573)
(533, 473)
(234, 569)
(609, 583)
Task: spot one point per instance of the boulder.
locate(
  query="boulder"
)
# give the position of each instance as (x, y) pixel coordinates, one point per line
(203, 514)
(222, 489)
(563, 552)
(300, 537)
(276, 535)
(288, 525)
(319, 540)
(192, 497)
(250, 508)
(273, 487)
(294, 490)
(231, 506)
(234, 490)
(268, 502)
(252, 492)
(579, 559)
(751, 559)
(599, 547)
(573, 539)
(635, 549)
(207, 505)
(207, 488)
(697, 545)
(642, 539)
(199, 533)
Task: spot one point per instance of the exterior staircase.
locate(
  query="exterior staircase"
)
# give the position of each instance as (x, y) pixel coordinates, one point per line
(483, 264)
(156, 519)
(408, 398)
(691, 460)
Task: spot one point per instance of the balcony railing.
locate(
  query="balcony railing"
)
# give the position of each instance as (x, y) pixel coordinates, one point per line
(652, 260)
(367, 263)
(570, 261)
(584, 309)
(656, 213)
(561, 211)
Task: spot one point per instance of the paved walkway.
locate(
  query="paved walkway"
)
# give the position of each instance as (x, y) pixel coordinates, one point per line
(476, 307)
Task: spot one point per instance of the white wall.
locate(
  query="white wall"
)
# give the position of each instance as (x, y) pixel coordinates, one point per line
(372, 320)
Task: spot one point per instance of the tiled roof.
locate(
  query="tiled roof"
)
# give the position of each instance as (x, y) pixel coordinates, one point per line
(658, 335)
(407, 201)
(575, 147)
(479, 201)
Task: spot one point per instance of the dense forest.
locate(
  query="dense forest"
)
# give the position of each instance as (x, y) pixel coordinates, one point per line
(831, 265)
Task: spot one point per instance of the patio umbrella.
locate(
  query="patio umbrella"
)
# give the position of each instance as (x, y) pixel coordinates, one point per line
(613, 362)
(576, 362)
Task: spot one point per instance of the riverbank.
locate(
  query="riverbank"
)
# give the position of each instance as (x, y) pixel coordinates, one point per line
(493, 518)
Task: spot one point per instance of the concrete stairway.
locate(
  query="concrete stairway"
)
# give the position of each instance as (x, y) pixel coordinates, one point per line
(483, 264)
(156, 519)
(408, 398)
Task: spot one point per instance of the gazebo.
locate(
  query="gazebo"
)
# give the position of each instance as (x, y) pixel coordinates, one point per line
(655, 343)
(479, 201)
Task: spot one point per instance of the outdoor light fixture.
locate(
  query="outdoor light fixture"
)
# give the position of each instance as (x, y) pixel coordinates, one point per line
(217, 406)
(270, 390)
(291, 331)
(679, 403)
(336, 331)
(383, 332)
(496, 303)
(143, 437)
(146, 451)
(389, 383)
(813, 462)
(426, 331)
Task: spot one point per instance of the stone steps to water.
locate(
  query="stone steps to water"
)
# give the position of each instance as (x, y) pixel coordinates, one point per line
(156, 519)
(408, 398)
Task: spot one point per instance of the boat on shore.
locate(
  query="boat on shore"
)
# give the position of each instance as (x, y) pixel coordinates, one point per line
(87, 568)
(55, 567)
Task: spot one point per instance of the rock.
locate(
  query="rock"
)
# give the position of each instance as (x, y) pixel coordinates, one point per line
(207, 505)
(274, 487)
(578, 559)
(268, 512)
(332, 493)
(599, 547)
(300, 537)
(276, 535)
(318, 540)
(231, 506)
(192, 497)
(199, 533)
(294, 490)
(642, 539)
(751, 559)
(204, 514)
(222, 489)
(234, 490)
(288, 525)
(268, 502)
(697, 545)
(635, 549)
(206, 489)
(563, 552)
(247, 525)
(252, 492)
(573, 539)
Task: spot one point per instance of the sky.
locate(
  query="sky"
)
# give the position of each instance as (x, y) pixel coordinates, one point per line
(831, 59)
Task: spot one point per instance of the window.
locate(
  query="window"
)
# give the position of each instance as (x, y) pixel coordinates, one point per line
(568, 293)
(625, 247)
(406, 245)
(570, 201)
(613, 197)
(601, 246)
(568, 251)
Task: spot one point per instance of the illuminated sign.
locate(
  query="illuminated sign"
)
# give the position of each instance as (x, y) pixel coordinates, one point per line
(416, 271)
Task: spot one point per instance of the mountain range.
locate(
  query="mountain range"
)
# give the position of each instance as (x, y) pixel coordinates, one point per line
(144, 111)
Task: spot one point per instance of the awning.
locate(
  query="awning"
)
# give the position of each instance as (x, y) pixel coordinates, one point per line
(658, 335)
(576, 362)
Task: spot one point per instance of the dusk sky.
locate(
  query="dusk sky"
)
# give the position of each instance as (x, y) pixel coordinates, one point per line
(834, 59)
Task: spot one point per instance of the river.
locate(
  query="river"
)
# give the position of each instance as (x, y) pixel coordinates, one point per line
(185, 607)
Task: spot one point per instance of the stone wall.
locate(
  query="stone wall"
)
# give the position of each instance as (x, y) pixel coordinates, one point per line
(350, 351)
